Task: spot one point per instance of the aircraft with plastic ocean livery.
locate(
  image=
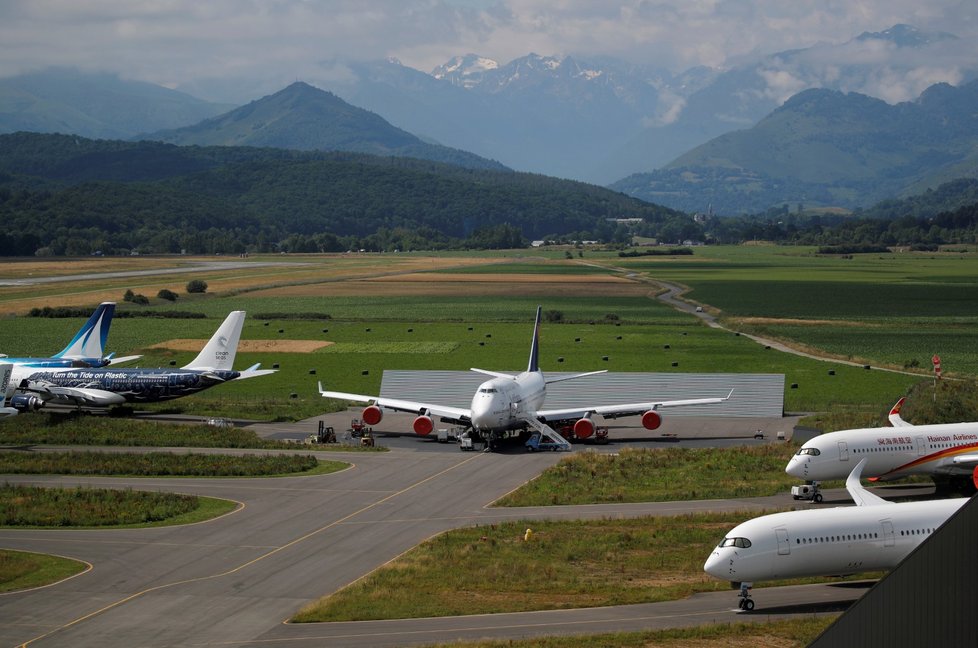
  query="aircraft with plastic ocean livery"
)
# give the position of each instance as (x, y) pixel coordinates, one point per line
(948, 452)
(31, 388)
(508, 403)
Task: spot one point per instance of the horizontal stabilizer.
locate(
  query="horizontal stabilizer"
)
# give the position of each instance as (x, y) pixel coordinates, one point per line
(253, 372)
(494, 374)
(111, 361)
(580, 375)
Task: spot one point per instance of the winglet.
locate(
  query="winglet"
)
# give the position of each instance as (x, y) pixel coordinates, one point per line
(860, 495)
(89, 341)
(534, 364)
(218, 354)
(894, 417)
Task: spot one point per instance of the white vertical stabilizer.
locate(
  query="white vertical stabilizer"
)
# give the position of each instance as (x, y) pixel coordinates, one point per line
(218, 353)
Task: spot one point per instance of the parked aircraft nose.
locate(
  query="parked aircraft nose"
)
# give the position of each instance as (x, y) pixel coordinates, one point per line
(716, 565)
(796, 467)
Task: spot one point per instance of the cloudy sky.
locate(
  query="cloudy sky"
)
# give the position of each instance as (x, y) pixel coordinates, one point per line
(178, 42)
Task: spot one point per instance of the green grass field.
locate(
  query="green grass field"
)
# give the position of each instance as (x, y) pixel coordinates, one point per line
(24, 570)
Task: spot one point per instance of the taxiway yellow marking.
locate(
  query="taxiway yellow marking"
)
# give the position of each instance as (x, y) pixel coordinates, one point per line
(250, 562)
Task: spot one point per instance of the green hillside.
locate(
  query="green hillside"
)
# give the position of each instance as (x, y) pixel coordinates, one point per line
(826, 148)
(67, 195)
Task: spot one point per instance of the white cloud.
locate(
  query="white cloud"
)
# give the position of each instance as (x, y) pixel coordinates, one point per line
(179, 41)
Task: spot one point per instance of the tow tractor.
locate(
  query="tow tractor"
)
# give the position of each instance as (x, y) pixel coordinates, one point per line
(358, 428)
(811, 491)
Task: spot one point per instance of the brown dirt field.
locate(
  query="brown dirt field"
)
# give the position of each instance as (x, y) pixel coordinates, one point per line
(381, 288)
(20, 300)
(761, 321)
(248, 346)
(425, 277)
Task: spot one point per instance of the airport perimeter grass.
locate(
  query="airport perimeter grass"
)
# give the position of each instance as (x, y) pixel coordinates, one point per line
(659, 475)
(163, 464)
(24, 570)
(790, 633)
(38, 507)
(84, 429)
(565, 564)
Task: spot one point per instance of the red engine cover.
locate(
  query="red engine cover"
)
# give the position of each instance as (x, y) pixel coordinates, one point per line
(372, 415)
(974, 476)
(651, 420)
(583, 428)
(423, 425)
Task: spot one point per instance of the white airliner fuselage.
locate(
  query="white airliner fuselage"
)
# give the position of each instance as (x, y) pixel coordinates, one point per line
(875, 535)
(949, 449)
(504, 403)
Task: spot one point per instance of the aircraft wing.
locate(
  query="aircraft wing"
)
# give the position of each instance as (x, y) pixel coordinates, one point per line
(7, 411)
(860, 495)
(443, 411)
(74, 395)
(629, 409)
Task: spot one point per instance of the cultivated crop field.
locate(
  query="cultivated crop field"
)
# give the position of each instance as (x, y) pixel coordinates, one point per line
(343, 319)
(894, 309)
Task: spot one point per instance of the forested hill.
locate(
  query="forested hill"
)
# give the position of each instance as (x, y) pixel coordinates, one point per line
(305, 118)
(68, 195)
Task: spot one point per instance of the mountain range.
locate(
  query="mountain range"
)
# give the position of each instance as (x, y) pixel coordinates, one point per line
(596, 119)
(825, 148)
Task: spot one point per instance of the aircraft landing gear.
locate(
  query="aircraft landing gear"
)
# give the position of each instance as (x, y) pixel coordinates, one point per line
(745, 603)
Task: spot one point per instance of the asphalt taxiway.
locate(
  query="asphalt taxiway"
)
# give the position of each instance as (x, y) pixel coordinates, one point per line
(235, 580)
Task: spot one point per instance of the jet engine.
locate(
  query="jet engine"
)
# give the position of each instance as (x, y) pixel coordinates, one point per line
(651, 420)
(584, 428)
(423, 425)
(26, 403)
(974, 476)
(372, 415)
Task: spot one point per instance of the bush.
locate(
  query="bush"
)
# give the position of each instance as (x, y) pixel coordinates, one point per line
(142, 300)
(554, 316)
(168, 295)
(196, 286)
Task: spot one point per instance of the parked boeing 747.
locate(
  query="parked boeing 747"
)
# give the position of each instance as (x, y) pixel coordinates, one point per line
(86, 349)
(874, 535)
(104, 387)
(508, 402)
(947, 452)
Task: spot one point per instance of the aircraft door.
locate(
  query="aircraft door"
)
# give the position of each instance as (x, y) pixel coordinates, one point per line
(921, 447)
(887, 533)
(784, 546)
(843, 451)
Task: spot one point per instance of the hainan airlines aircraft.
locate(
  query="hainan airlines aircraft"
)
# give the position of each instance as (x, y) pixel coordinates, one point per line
(508, 402)
(947, 452)
(85, 349)
(103, 387)
(874, 535)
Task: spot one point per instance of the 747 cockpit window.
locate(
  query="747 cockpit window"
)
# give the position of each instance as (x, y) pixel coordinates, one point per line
(488, 390)
(743, 543)
(810, 451)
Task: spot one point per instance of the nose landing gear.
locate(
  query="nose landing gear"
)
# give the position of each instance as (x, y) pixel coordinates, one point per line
(745, 603)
